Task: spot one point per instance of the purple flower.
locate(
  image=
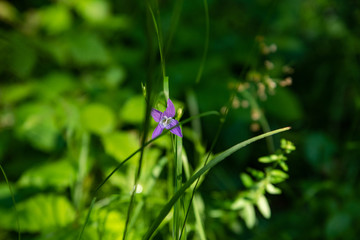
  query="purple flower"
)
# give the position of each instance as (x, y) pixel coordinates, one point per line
(165, 120)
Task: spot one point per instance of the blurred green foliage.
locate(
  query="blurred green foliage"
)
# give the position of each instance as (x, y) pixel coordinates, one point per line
(71, 109)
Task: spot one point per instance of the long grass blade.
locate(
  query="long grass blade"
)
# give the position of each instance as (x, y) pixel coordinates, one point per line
(209, 113)
(13, 200)
(206, 43)
(217, 159)
(87, 218)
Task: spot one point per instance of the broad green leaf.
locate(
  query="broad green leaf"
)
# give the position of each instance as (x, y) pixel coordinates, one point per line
(120, 144)
(54, 84)
(98, 118)
(87, 48)
(39, 213)
(94, 11)
(133, 110)
(56, 18)
(218, 158)
(16, 92)
(54, 174)
(263, 206)
(114, 76)
(36, 124)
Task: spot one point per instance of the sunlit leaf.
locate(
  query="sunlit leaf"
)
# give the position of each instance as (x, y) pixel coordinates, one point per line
(39, 213)
(248, 214)
(272, 189)
(133, 110)
(17, 92)
(120, 144)
(56, 18)
(36, 124)
(246, 180)
(277, 176)
(98, 118)
(263, 206)
(56, 174)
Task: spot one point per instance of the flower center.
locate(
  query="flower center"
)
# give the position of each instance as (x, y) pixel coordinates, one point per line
(165, 121)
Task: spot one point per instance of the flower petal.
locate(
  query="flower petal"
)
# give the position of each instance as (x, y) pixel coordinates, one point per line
(158, 130)
(170, 110)
(156, 114)
(176, 130)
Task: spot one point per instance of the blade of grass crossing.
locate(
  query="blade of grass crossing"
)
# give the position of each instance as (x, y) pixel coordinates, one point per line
(195, 203)
(87, 218)
(13, 200)
(217, 159)
(178, 182)
(133, 154)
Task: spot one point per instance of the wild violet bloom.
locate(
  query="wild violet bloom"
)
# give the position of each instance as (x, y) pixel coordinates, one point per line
(165, 120)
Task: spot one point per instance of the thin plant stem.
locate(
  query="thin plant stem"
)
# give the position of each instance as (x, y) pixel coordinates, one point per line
(134, 153)
(217, 159)
(206, 43)
(13, 200)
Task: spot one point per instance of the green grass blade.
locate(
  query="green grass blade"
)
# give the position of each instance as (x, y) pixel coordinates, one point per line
(178, 182)
(195, 203)
(159, 41)
(87, 218)
(218, 158)
(13, 200)
(134, 153)
(206, 44)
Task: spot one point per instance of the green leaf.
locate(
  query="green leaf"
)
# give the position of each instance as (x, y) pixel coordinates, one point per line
(256, 173)
(133, 110)
(39, 213)
(263, 206)
(218, 158)
(287, 146)
(56, 18)
(272, 158)
(98, 118)
(248, 214)
(16, 92)
(284, 166)
(120, 144)
(272, 189)
(246, 180)
(55, 174)
(87, 48)
(277, 176)
(36, 124)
